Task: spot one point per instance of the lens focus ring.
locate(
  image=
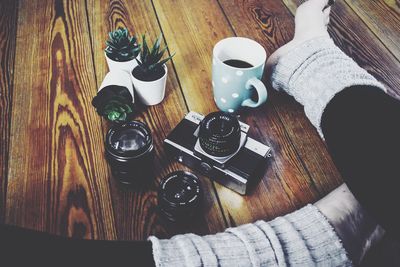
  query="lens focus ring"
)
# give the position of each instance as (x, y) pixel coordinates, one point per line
(219, 134)
(180, 196)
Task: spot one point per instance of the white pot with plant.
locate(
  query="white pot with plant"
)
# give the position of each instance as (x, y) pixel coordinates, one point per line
(149, 77)
(121, 51)
(115, 98)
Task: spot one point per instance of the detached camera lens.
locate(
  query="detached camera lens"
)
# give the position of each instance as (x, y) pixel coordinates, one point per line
(179, 196)
(219, 134)
(130, 152)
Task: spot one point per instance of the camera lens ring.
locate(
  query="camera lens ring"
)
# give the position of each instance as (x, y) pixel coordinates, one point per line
(116, 132)
(219, 134)
(180, 196)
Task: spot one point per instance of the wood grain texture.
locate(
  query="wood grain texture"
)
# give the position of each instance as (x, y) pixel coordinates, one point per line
(56, 181)
(136, 213)
(383, 18)
(192, 28)
(287, 184)
(272, 25)
(357, 41)
(8, 22)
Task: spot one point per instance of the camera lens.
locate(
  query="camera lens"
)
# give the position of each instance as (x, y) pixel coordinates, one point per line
(219, 134)
(130, 153)
(179, 196)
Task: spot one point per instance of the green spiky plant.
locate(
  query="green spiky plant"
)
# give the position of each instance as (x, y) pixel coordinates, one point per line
(120, 46)
(150, 65)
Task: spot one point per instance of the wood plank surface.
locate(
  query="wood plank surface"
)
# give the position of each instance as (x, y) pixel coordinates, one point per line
(53, 173)
(287, 184)
(135, 213)
(56, 181)
(8, 22)
(357, 41)
(383, 18)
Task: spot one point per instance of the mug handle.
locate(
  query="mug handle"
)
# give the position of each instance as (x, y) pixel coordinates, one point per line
(261, 91)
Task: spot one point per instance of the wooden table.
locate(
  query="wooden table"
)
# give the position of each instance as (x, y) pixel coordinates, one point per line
(53, 174)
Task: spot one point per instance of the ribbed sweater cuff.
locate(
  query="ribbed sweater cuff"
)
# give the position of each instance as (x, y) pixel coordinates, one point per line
(308, 239)
(287, 65)
(314, 72)
(302, 238)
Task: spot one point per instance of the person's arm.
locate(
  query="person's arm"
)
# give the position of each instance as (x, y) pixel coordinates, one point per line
(301, 238)
(314, 71)
(317, 73)
(360, 122)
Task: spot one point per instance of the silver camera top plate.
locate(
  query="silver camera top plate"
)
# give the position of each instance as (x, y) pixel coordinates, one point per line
(221, 160)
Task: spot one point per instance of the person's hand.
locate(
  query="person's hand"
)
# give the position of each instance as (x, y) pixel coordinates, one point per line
(312, 19)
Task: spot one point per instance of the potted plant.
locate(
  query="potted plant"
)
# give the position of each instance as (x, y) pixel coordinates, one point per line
(121, 50)
(115, 98)
(150, 75)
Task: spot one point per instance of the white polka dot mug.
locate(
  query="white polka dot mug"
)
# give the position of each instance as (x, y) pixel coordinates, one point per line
(238, 65)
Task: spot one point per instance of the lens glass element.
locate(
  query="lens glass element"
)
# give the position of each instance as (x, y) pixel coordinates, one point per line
(130, 139)
(219, 134)
(179, 196)
(180, 190)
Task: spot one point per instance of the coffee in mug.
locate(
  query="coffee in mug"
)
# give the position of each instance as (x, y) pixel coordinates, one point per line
(238, 65)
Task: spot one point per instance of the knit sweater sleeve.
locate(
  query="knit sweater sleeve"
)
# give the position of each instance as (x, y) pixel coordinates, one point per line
(314, 72)
(302, 238)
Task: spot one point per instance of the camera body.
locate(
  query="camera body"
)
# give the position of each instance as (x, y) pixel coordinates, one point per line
(238, 171)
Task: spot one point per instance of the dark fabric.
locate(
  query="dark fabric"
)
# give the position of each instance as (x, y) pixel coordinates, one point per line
(21, 247)
(361, 126)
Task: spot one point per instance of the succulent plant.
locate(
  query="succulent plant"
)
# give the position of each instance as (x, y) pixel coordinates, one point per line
(120, 46)
(117, 111)
(151, 62)
(114, 103)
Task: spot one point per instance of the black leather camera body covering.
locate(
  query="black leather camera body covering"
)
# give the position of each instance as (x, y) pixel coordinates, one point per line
(238, 172)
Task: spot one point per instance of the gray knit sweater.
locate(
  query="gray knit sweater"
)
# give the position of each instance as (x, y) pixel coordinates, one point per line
(302, 238)
(312, 73)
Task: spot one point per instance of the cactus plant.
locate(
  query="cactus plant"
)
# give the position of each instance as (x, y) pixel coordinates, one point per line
(120, 46)
(150, 64)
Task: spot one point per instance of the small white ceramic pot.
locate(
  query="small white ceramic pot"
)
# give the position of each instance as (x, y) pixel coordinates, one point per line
(150, 92)
(127, 66)
(120, 78)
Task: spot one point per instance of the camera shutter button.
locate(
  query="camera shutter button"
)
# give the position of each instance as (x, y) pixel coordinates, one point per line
(205, 167)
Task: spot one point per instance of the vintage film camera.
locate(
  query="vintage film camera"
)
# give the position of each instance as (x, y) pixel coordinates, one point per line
(218, 146)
